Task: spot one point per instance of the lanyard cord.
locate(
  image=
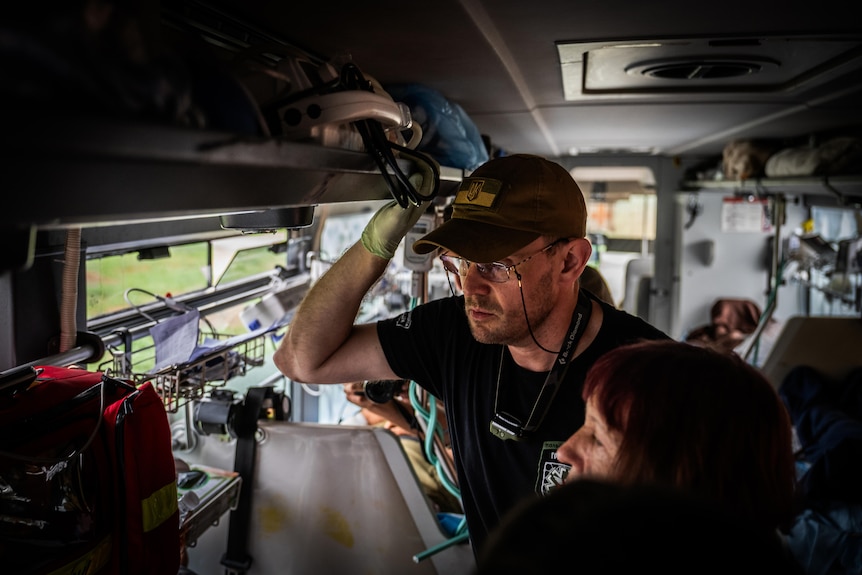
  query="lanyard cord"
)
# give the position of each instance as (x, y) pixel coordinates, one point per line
(580, 317)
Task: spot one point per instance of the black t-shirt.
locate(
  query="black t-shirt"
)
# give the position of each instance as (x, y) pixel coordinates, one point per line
(432, 345)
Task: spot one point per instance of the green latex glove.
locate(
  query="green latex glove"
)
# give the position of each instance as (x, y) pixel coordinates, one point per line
(388, 226)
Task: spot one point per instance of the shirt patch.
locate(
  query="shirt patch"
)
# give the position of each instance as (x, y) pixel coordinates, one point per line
(405, 320)
(552, 473)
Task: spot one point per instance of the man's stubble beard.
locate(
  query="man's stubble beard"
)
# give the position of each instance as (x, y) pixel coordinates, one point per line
(511, 327)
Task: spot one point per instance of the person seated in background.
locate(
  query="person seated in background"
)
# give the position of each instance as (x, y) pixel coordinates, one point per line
(668, 415)
(826, 413)
(732, 321)
(593, 281)
(692, 418)
(393, 411)
(602, 527)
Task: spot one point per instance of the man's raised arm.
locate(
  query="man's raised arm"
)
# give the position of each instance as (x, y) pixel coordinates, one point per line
(322, 344)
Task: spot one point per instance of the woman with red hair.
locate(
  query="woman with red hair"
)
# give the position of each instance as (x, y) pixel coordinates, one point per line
(684, 464)
(678, 415)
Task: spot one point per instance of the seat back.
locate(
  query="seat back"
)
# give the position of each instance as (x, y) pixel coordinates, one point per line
(638, 278)
(330, 499)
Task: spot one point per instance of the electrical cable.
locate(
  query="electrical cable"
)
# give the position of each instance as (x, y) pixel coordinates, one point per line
(381, 149)
(770, 302)
(170, 303)
(415, 136)
(693, 209)
(432, 430)
(137, 308)
(312, 392)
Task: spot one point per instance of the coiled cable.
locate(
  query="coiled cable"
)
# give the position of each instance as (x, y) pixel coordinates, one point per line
(382, 151)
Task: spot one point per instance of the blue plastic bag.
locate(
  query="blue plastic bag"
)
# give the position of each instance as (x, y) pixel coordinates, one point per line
(448, 134)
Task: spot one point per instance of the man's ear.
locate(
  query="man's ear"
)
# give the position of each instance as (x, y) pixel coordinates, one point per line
(578, 252)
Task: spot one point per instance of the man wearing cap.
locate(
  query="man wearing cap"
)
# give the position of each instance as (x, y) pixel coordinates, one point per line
(508, 357)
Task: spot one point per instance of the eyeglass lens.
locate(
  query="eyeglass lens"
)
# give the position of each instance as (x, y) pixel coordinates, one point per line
(495, 272)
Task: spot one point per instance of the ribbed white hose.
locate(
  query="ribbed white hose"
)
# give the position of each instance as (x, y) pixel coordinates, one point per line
(69, 301)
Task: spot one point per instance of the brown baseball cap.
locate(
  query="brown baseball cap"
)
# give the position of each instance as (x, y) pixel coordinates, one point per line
(507, 203)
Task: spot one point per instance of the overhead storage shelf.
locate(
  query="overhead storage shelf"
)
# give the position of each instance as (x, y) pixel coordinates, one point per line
(836, 190)
(73, 171)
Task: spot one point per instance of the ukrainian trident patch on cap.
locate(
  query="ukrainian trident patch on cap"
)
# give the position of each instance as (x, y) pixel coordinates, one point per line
(478, 192)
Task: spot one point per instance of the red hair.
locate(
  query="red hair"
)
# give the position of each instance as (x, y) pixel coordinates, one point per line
(701, 420)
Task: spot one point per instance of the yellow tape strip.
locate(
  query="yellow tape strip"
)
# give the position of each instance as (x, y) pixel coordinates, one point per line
(159, 506)
(89, 563)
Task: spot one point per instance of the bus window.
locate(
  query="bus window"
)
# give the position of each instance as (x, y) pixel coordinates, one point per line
(175, 269)
(621, 220)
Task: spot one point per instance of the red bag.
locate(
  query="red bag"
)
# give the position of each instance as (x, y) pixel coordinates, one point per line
(62, 465)
(148, 517)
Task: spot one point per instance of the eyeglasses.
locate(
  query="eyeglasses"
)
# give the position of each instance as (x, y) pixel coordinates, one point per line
(496, 272)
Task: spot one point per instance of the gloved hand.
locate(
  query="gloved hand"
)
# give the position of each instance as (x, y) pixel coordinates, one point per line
(388, 226)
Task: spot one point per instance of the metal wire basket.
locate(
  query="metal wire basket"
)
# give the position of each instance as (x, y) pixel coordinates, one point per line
(178, 384)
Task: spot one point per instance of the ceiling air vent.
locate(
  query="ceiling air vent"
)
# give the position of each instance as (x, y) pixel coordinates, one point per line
(700, 68)
(709, 66)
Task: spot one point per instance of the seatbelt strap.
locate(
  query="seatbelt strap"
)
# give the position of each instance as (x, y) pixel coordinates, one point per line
(236, 559)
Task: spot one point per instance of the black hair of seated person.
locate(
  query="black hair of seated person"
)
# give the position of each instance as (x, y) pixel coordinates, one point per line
(594, 527)
(593, 281)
